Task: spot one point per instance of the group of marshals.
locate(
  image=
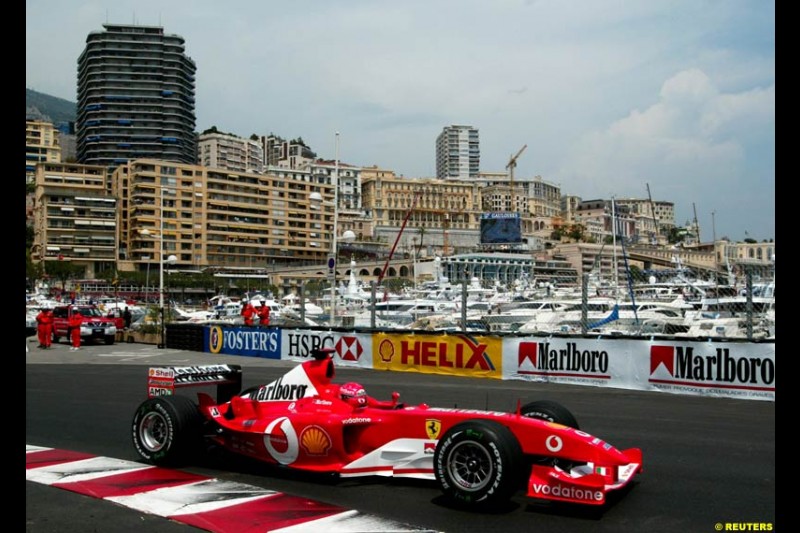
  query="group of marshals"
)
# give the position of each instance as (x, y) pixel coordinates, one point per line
(250, 313)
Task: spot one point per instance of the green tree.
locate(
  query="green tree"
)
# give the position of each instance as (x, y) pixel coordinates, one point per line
(676, 235)
(33, 271)
(313, 288)
(63, 271)
(576, 232)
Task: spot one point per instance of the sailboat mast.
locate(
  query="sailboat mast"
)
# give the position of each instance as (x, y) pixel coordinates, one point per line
(614, 243)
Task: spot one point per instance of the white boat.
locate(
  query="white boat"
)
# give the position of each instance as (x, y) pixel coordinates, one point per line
(292, 304)
(513, 315)
(729, 316)
(203, 315)
(401, 313)
(605, 315)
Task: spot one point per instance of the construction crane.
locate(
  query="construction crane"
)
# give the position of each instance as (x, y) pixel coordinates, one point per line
(512, 164)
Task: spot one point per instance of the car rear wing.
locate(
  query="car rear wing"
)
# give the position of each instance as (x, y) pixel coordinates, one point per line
(163, 380)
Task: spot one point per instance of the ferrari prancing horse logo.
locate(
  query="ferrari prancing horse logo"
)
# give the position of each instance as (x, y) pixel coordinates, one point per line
(433, 428)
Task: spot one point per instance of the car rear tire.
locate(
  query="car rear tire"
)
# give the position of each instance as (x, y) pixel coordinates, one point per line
(167, 430)
(478, 463)
(551, 412)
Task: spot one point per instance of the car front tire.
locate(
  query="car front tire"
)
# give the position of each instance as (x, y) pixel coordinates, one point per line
(550, 411)
(478, 463)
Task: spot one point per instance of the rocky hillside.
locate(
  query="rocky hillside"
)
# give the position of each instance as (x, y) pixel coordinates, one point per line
(40, 106)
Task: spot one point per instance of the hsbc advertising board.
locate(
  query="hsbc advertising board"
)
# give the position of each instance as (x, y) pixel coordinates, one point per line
(351, 349)
(725, 369)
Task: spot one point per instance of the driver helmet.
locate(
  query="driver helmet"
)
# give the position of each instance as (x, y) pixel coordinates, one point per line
(354, 394)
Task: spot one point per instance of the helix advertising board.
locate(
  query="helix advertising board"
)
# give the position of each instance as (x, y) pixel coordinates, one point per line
(453, 354)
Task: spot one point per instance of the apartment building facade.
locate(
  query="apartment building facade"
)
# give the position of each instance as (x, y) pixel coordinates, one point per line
(75, 217)
(442, 216)
(653, 219)
(136, 97)
(226, 151)
(220, 219)
(537, 201)
(42, 145)
(279, 152)
(597, 218)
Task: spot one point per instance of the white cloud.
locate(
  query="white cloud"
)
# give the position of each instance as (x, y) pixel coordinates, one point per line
(694, 145)
(607, 94)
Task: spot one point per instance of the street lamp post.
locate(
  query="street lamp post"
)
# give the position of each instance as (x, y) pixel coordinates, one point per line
(335, 181)
(147, 278)
(348, 235)
(171, 259)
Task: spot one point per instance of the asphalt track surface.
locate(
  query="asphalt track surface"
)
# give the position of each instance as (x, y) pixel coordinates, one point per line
(709, 463)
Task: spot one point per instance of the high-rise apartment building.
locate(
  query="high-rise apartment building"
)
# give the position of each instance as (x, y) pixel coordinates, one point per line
(136, 96)
(458, 154)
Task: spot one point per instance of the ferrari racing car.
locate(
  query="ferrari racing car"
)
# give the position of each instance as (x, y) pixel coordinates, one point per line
(305, 421)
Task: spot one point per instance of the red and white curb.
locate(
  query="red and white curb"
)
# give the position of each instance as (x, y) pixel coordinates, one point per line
(205, 503)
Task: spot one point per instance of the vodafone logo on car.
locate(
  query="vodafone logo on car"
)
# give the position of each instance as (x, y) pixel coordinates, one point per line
(280, 440)
(565, 492)
(554, 443)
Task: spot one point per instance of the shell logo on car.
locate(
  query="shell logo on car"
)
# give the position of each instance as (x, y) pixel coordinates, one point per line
(315, 441)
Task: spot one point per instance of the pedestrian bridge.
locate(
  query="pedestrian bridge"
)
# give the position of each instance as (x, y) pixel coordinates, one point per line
(669, 258)
(401, 267)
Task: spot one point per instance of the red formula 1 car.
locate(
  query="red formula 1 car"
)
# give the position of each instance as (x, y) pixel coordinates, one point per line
(306, 422)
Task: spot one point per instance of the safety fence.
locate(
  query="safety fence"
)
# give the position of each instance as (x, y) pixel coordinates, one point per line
(730, 369)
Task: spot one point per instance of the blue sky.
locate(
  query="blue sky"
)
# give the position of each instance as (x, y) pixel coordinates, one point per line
(609, 96)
